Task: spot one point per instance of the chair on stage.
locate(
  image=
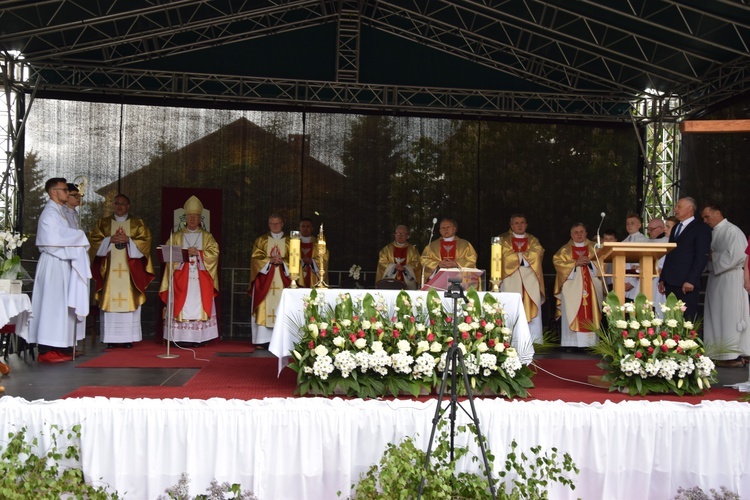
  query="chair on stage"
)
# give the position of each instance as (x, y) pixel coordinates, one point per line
(390, 284)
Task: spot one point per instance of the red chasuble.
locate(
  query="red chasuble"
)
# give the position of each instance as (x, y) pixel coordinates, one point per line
(263, 282)
(180, 280)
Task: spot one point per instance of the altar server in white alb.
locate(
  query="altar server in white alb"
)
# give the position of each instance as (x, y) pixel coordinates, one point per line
(726, 312)
(195, 283)
(60, 301)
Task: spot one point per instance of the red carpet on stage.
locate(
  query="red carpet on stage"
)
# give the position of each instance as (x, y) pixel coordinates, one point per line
(145, 355)
(247, 377)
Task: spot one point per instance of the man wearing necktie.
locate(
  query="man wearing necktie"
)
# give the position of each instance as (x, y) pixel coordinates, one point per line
(684, 265)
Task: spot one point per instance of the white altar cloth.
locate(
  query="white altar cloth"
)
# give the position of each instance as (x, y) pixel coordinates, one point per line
(310, 448)
(16, 309)
(290, 313)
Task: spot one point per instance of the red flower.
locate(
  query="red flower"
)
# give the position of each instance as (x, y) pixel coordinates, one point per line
(676, 337)
(450, 343)
(380, 330)
(650, 350)
(499, 322)
(465, 335)
(412, 319)
(361, 334)
(395, 334)
(468, 319)
(664, 334)
(432, 322)
(355, 318)
(693, 334)
(323, 333)
(638, 354)
(491, 342)
(312, 319)
(352, 337)
(679, 350)
(624, 334)
(483, 323)
(640, 335)
(479, 335)
(394, 319)
(664, 348)
(430, 337)
(650, 331)
(448, 319)
(506, 344)
(372, 320)
(336, 330)
(311, 345)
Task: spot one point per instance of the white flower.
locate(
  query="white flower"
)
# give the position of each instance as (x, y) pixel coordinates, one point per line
(339, 341)
(672, 323)
(399, 325)
(482, 347)
(634, 325)
(378, 325)
(436, 347)
(420, 327)
(488, 327)
(505, 330)
(475, 325)
(644, 342)
(464, 327)
(664, 308)
(629, 343)
(463, 348)
(670, 343)
(657, 342)
(422, 346)
(499, 347)
(656, 322)
(403, 345)
(366, 325)
(511, 352)
(354, 272)
(688, 325)
(321, 350)
(360, 343)
(645, 323)
(628, 307)
(687, 344)
(346, 323)
(323, 326)
(621, 324)
(313, 330)
(377, 346)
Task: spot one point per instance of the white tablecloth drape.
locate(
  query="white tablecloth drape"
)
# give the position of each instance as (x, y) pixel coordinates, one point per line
(290, 314)
(310, 448)
(16, 309)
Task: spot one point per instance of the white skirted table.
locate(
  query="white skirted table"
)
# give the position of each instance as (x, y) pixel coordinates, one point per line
(15, 309)
(290, 314)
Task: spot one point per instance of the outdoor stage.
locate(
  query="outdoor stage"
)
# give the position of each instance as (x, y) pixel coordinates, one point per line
(235, 421)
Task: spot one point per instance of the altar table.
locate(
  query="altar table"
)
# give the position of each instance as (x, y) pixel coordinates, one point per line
(15, 309)
(290, 314)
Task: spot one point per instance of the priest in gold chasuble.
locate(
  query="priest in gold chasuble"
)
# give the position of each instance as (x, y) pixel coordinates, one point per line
(195, 283)
(449, 251)
(400, 261)
(269, 275)
(522, 271)
(121, 269)
(578, 290)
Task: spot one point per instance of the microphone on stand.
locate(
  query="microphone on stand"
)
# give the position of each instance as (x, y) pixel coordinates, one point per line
(432, 232)
(598, 235)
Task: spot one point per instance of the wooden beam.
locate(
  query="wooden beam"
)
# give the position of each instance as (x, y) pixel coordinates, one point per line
(714, 126)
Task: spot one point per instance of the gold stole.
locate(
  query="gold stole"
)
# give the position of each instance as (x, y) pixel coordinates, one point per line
(118, 281)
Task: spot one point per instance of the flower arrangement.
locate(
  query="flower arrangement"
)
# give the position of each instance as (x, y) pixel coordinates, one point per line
(354, 272)
(643, 354)
(10, 263)
(366, 349)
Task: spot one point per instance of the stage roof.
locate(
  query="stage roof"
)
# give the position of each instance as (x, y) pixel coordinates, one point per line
(526, 59)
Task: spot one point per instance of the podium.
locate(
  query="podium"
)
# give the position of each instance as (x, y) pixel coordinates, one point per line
(644, 253)
(468, 275)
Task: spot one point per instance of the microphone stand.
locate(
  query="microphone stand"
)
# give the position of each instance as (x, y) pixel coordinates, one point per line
(597, 247)
(432, 232)
(454, 356)
(170, 304)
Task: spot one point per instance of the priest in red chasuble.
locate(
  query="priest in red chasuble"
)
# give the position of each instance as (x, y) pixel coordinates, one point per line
(449, 251)
(196, 282)
(309, 250)
(578, 289)
(522, 271)
(399, 260)
(121, 269)
(269, 275)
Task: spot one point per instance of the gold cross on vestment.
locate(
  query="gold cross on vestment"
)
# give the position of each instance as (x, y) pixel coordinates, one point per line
(274, 287)
(120, 270)
(120, 299)
(272, 315)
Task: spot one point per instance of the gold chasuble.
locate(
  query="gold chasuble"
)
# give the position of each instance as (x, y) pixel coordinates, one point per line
(121, 281)
(581, 296)
(459, 249)
(309, 277)
(266, 288)
(393, 254)
(518, 278)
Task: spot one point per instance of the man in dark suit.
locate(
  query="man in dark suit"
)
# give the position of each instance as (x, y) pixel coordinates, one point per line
(684, 265)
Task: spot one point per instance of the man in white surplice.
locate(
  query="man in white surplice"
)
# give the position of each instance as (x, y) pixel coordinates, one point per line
(61, 286)
(633, 226)
(726, 313)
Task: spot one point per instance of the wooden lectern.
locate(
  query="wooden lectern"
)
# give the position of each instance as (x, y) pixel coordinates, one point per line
(644, 253)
